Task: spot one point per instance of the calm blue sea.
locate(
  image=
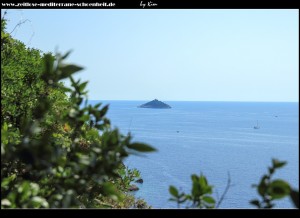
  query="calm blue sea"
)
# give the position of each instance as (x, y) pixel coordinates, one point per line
(213, 138)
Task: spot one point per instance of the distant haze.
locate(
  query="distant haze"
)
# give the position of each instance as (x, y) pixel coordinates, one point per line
(191, 55)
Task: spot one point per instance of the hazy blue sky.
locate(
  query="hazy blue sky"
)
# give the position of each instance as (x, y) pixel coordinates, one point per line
(191, 55)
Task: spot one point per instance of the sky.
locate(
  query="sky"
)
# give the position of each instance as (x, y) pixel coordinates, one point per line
(172, 55)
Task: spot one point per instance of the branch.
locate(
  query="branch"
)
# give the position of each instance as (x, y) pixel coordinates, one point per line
(4, 14)
(225, 191)
(217, 193)
(19, 24)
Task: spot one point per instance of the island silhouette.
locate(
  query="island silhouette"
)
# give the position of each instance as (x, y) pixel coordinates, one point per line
(155, 104)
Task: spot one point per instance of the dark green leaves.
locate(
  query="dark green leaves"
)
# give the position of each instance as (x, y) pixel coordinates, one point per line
(173, 191)
(102, 112)
(55, 151)
(48, 60)
(110, 190)
(178, 197)
(255, 203)
(64, 153)
(295, 197)
(209, 199)
(278, 164)
(262, 188)
(278, 189)
(7, 181)
(141, 147)
(97, 105)
(82, 86)
(200, 186)
(271, 190)
(66, 55)
(200, 194)
(68, 70)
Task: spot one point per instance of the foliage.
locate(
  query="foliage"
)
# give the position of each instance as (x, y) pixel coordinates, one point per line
(56, 150)
(270, 190)
(200, 196)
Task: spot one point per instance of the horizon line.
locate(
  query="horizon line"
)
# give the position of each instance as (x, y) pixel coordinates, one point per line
(197, 101)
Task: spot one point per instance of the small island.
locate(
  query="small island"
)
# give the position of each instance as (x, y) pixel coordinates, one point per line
(155, 104)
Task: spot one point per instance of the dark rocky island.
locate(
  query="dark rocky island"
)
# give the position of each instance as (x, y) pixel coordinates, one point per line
(155, 104)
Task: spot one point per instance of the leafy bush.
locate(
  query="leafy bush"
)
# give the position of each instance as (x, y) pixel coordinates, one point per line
(57, 151)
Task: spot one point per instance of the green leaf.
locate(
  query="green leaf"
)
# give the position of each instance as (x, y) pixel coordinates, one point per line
(48, 60)
(295, 197)
(173, 191)
(84, 117)
(188, 197)
(5, 202)
(182, 201)
(66, 55)
(256, 203)
(209, 199)
(194, 178)
(100, 127)
(202, 181)
(5, 127)
(141, 147)
(279, 189)
(103, 111)
(278, 164)
(207, 190)
(68, 70)
(97, 105)
(65, 89)
(110, 190)
(39, 202)
(196, 190)
(262, 187)
(72, 81)
(34, 188)
(82, 86)
(6, 181)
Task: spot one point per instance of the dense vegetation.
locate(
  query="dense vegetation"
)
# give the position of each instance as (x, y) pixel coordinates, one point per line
(57, 151)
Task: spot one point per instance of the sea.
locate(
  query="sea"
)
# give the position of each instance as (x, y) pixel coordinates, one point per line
(216, 139)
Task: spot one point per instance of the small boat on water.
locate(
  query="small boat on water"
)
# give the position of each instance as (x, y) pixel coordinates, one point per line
(257, 126)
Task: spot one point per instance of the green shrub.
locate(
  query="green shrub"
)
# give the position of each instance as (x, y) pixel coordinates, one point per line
(57, 151)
